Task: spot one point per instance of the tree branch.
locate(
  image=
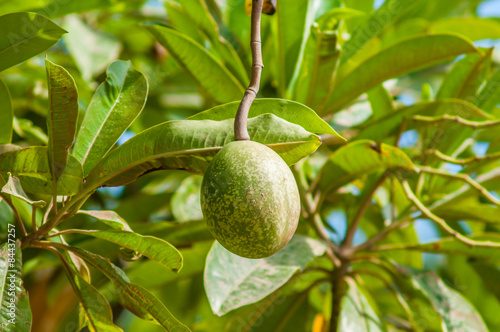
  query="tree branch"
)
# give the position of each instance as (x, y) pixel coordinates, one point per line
(464, 161)
(463, 177)
(442, 223)
(240, 122)
(456, 119)
(18, 217)
(364, 205)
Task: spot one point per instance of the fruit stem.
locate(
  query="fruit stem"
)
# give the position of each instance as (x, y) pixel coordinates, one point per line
(240, 122)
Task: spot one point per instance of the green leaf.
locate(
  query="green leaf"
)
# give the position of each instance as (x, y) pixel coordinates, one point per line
(465, 77)
(135, 298)
(380, 102)
(208, 72)
(390, 124)
(469, 210)
(288, 110)
(473, 28)
(424, 315)
(232, 281)
(33, 134)
(200, 16)
(383, 17)
(149, 246)
(31, 166)
(180, 20)
(94, 305)
(291, 17)
(489, 96)
(177, 234)
(359, 158)
(190, 145)
(455, 311)
(61, 8)
(6, 115)
(115, 105)
(110, 218)
(13, 188)
(25, 35)
(12, 292)
(81, 42)
(8, 147)
(357, 313)
(63, 114)
(419, 52)
(314, 79)
(185, 203)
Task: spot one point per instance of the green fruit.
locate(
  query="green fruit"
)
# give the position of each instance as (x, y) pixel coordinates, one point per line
(250, 200)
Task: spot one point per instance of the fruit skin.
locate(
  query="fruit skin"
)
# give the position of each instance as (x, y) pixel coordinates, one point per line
(250, 199)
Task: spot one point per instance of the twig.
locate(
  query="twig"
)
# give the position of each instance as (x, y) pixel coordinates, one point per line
(401, 130)
(463, 177)
(364, 205)
(464, 161)
(338, 291)
(18, 217)
(309, 206)
(382, 235)
(442, 223)
(47, 212)
(54, 194)
(33, 217)
(240, 122)
(456, 119)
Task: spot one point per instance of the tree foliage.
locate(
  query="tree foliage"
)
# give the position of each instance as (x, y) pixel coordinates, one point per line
(386, 111)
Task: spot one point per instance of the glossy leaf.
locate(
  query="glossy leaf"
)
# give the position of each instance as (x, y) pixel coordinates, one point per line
(362, 157)
(314, 80)
(291, 19)
(357, 313)
(63, 114)
(13, 188)
(384, 16)
(8, 147)
(33, 134)
(232, 281)
(115, 105)
(81, 42)
(110, 218)
(185, 203)
(390, 124)
(473, 28)
(425, 316)
(54, 9)
(465, 77)
(149, 246)
(12, 292)
(421, 51)
(6, 115)
(25, 35)
(454, 310)
(380, 102)
(469, 210)
(288, 110)
(177, 234)
(489, 96)
(190, 145)
(200, 16)
(133, 297)
(200, 64)
(94, 305)
(31, 166)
